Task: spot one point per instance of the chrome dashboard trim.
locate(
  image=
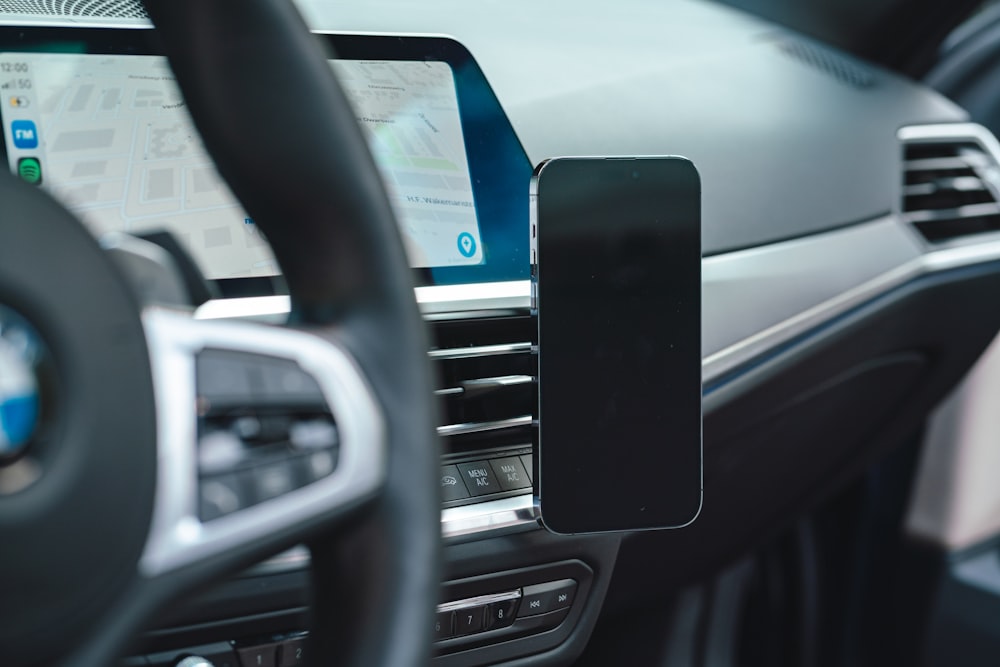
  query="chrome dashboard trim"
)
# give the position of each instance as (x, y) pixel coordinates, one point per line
(479, 427)
(468, 603)
(479, 351)
(296, 558)
(491, 518)
(432, 300)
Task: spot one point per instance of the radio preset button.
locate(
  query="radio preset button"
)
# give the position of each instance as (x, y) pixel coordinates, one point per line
(444, 625)
(500, 614)
(469, 620)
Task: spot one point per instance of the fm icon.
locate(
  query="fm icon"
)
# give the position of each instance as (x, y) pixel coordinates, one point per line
(25, 134)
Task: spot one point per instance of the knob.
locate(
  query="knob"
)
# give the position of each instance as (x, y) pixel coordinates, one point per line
(195, 661)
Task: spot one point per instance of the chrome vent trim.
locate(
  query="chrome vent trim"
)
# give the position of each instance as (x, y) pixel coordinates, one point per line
(481, 427)
(486, 371)
(950, 181)
(115, 9)
(480, 351)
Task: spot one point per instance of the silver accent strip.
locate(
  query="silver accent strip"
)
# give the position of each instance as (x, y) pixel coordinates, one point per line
(481, 296)
(495, 516)
(480, 351)
(756, 299)
(177, 537)
(432, 300)
(483, 384)
(970, 211)
(296, 558)
(478, 386)
(477, 601)
(477, 427)
(487, 519)
(965, 161)
(267, 308)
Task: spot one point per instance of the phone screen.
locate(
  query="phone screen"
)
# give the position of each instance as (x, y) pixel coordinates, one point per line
(617, 290)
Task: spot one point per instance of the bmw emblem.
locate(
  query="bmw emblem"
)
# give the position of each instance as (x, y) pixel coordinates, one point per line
(20, 349)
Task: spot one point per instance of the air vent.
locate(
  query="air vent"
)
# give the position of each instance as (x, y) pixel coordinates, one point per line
(829, 62)
(124, 9)
(949, 188)
(486, 373)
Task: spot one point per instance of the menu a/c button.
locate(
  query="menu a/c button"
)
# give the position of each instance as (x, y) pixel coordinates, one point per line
(479, 478)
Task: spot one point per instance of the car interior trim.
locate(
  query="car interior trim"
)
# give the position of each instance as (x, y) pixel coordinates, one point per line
(478, 427)
(495, 517)
(177, 537)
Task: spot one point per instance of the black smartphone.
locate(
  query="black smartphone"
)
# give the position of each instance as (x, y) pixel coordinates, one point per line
(616, 288)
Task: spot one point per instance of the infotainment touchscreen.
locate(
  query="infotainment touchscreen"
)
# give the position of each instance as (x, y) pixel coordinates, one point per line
(102, 126)
(110, 136)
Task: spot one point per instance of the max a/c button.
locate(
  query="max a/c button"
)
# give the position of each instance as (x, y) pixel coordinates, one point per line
(543, 598)
(479, 478)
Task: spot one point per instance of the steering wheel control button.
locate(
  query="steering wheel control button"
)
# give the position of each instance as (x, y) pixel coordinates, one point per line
(314, 467)
(543, 598)
(220, 451)
(444, 625)
(479, 478)
(452, 486)
(511, 473)
(264, 422)
(284, 382)
(469, 620)
(313, 434)
(224, 379)
(501, 614)
(259, 656)
(221, 495)
(273, 480)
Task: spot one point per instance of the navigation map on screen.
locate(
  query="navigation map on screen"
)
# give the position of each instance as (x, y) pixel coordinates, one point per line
(110, 136)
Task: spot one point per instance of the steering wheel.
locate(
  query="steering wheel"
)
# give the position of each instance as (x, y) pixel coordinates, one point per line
(124, 499)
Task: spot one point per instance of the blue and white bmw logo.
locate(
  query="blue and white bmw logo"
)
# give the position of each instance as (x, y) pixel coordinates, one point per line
(19, 394)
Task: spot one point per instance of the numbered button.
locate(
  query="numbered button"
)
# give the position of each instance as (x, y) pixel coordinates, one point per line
(259, 656)
(500, 614)
(443, 625)
(293, 652)
(469, 620)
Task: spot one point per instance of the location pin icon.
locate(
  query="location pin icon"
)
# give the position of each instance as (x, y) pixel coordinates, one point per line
(466, 244)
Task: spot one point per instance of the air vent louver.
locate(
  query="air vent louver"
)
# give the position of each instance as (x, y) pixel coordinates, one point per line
(125, 9)
(949, 188)
(486, 372)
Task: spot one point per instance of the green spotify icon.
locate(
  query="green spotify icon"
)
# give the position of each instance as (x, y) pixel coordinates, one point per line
(30, 170)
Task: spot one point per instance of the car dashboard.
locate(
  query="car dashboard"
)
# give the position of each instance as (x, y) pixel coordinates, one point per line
(850, 236)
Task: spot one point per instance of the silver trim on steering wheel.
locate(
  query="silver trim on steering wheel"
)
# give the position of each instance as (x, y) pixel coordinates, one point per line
(177, 537)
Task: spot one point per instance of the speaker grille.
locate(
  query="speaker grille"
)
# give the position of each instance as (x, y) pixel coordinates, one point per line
(829, 62)
(126, 9)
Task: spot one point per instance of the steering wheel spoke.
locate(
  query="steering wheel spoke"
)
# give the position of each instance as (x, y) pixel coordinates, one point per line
(263, 432)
